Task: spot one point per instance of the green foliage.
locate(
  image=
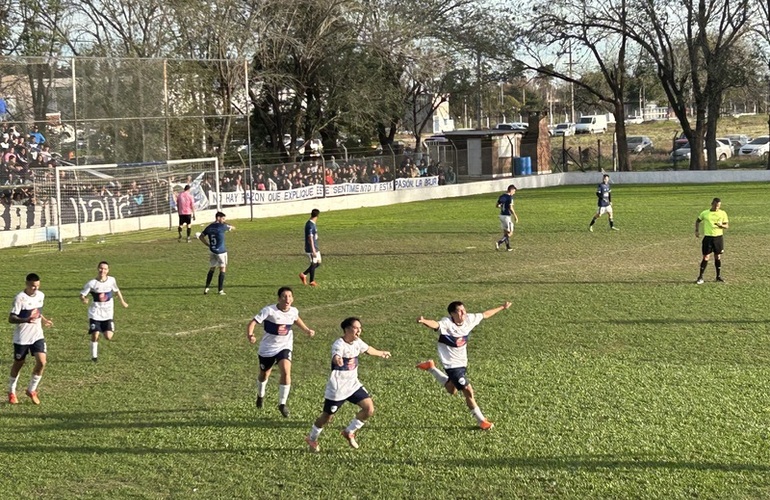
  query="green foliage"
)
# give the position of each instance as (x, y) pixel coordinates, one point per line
(612, 376)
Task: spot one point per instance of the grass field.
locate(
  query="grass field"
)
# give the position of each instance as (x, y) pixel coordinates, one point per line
(612, 376)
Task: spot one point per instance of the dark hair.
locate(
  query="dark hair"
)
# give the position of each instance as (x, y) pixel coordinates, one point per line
(103, 262)
(219, 214)
(314, 213)
(187, 187)
(348, 322)
(716, 200)
(33, 277)
(285, 289)
(512, 186)
(454, 306)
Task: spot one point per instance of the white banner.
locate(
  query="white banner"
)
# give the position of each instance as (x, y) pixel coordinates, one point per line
(356, 188)
(416, 182)
(316, 191)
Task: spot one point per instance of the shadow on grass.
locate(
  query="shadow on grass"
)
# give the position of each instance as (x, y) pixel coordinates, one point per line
(605, 462)
(145, 419)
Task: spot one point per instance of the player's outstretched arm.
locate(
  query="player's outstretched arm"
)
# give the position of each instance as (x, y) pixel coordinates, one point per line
(491, 312)
(697, 227)
(120, 296)
(250, 332)
(310, 332)
(376, 352)
(432, 324)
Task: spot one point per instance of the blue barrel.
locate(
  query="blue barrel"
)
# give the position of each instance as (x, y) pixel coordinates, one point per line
(526, 165)
(518, 166)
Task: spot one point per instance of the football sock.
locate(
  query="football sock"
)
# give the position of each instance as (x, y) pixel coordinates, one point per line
(476, 412)
(315, 432)
(592, 222)
(180, 231)
(312, 268)
(209, 277)
(703, 265)
(440, 377)
(188, 231)
(261, 388)
(612, 223)
(12, 383)
(718, 266)
(221, 281)
(33, 382)
(94, 349)
(283, 394)
(354, 425)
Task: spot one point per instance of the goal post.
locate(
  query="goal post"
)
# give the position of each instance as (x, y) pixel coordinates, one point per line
(98, 200)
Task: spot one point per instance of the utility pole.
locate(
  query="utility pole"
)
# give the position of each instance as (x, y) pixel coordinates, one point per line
(571, 85)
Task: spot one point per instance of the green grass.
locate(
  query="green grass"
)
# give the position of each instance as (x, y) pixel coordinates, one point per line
(612, 376)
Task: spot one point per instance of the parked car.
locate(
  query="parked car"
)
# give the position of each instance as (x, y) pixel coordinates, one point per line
(758, 147)
(634, 120)
(724, 146)
(684, 153)
(565, 129)
(517, 126)
(638, 143)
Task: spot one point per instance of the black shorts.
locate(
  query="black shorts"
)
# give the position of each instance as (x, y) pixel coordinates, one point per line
(331, 406)
(713, 244)
(96, 326)
(185, 219)
(457, 377)
(267, 362)
(20, 351)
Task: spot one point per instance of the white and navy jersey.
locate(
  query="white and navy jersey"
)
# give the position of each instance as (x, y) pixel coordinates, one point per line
(343, 381)
(603, 193)
(23, 305)
(505, 202)
(102, 307)
(453, 339)
(278, 332)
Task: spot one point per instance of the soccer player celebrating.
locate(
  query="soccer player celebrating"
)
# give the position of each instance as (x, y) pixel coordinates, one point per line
(277, 344)
(311, 249)
(344, 385)
(604, 194)
(214, 238)
(505, 204)
(102, 309)
(453, 332)
(714, 223)
(27, 315)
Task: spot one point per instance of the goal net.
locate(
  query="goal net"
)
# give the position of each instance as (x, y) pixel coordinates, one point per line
(93, 201)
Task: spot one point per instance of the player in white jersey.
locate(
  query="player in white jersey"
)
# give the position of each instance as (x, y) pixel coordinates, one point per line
(27, 315)
(453, 333)
(277, 344)
(101, 311)
(343, 384)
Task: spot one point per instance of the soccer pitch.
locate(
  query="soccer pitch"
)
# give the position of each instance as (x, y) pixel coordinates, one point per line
(612, 375)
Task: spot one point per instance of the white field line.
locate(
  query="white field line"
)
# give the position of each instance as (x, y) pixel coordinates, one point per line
(496, 274)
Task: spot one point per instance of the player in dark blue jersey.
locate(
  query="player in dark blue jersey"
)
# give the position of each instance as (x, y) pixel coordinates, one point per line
(604, 204)
(505, 204)
(311, 249)
(214, 238)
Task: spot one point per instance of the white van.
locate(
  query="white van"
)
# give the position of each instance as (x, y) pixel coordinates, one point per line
(591, 124)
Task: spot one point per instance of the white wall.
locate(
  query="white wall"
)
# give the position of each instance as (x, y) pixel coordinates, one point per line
(25, 237)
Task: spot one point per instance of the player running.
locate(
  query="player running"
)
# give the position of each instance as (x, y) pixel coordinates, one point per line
(102, 309)
(505, 204)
